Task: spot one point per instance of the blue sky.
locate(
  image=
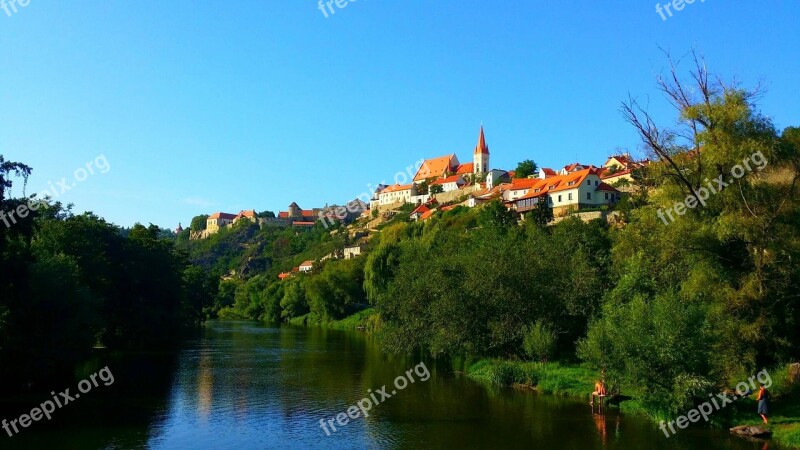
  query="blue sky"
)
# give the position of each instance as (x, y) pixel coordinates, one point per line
(204, 106)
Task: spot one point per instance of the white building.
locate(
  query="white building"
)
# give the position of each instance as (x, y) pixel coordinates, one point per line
(397, 193)
(452, 183)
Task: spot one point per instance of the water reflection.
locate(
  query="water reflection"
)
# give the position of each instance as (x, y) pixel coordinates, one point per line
(250, 386)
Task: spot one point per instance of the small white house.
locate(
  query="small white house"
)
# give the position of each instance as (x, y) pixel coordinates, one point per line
(307, 266)
(451, 183)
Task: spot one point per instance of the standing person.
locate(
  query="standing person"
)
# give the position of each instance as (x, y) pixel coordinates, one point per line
(763, 403)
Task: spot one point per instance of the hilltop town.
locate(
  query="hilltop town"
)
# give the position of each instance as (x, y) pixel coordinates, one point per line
(443, 182)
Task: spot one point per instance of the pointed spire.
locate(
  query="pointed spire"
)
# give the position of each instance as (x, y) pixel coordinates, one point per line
(481, 148)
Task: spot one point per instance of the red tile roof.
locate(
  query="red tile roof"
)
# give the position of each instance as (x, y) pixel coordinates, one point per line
(548, 172)
(571, 181)
(222, 215)
(450, 179)
(251, 214)
(522, 183)
(464, 169)
(436, 167)
(421, 209)
(396, 188)
(427, 215)
(307, 264)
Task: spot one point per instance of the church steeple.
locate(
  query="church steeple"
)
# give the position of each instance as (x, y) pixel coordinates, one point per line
(481, 147)
(480, 157)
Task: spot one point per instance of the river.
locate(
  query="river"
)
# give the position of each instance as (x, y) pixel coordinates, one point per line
(244, 385)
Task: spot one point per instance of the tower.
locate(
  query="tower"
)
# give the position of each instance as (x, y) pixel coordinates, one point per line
(480, 157)
(295, 211)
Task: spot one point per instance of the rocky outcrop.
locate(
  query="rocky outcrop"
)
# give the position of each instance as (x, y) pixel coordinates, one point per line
(750, 431)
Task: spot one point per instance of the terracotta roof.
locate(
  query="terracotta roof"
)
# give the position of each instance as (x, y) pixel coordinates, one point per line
(222, 215)
(421, 209)
(523, 183)
(302, 224)
(450, 179)
(284, 275)
(307, 264)
(447, 208)
(397, 188)
(571, 181)
(283, 214)
(251, 214)
(434, 168)
(427, 214)
(465, 169)
(574, 167)
(548, 172)
(511, 173)
(481, 148)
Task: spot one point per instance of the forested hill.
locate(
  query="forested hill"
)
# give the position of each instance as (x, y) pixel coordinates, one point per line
(694, 291)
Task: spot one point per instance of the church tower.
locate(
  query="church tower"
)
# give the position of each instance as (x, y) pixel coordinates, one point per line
(481, 155)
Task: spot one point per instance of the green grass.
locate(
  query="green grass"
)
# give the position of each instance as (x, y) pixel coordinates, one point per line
(367, 318)
(549, 378)
(578, 381)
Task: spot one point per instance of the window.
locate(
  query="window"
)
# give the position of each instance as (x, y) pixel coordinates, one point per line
(559, 199)
(588, 196)
(606, 195)
(588, 182)
(596, 183)
(570, 196)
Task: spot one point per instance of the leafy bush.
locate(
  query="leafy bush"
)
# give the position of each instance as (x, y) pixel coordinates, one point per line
(540, 342)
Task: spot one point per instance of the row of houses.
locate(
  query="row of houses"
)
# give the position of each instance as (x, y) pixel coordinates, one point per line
(571, 188)
(445, 179)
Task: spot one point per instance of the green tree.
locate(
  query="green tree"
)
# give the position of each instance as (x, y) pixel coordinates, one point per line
(199, 222)
(525, 169)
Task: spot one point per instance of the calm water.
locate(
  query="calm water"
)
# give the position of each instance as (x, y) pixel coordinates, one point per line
(251, 386)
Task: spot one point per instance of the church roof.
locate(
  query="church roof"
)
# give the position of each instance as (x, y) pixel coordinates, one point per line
(436, 167)
(481, 148)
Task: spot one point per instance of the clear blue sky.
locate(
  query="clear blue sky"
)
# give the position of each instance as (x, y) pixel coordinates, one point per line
(207, 105)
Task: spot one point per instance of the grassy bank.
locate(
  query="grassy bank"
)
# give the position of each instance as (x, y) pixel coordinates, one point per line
(578, 381)
(365, 320)
(549, 378)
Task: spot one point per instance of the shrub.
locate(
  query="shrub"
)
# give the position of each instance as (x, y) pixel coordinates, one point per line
(540, 342)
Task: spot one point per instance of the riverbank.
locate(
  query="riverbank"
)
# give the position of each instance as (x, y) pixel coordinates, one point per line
(366, 320)
(578, 381)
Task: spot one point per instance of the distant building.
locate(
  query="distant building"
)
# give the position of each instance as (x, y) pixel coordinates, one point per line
(217, 221)
(397, 193)
(306, 267)
(451, 183)
(352, 252)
